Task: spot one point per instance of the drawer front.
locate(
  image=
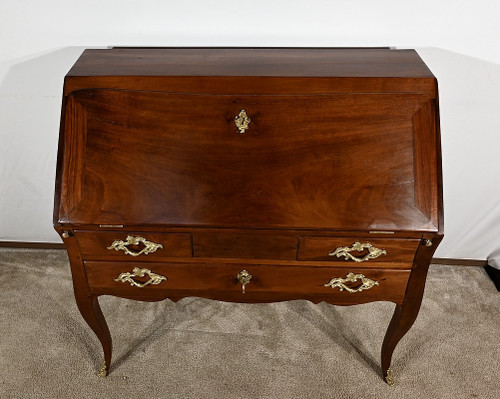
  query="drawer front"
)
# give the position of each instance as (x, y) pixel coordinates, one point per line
(139, 246)
(261, 282)
(245, 245)
(357, 250)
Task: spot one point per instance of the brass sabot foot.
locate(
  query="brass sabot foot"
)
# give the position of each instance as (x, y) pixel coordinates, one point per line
(389, 378)
(102, 373)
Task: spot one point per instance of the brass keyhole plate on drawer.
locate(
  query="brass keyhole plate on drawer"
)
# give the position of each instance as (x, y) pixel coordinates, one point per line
(244, 278)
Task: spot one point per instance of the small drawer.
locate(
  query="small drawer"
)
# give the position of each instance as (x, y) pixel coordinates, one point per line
(140, 246)
(357, 250)
(262, 283)
(244, 245)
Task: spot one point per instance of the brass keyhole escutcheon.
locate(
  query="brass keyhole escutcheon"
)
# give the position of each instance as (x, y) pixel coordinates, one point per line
(242, 120)
(244, 278)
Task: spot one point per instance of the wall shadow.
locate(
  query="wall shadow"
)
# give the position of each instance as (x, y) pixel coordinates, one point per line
(470, 123)
(30, 99)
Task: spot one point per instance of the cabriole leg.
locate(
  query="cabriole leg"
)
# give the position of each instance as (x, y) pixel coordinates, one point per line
(91, 312)
(400, 323)
(405, 314)
(403, 318)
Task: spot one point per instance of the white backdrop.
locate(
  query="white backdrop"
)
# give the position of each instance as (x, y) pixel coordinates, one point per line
(459, 40)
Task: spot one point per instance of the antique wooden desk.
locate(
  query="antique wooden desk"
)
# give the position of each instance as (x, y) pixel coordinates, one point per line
(250, 175)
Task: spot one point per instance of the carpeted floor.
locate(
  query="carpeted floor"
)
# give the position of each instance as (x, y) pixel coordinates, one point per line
(198, 348)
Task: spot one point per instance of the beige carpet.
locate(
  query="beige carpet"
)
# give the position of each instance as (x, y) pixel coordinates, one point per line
(198, 348)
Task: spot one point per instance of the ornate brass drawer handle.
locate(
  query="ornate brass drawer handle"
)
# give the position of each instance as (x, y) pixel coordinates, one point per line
(242, 120)
(244, 278)
(339, 283)
(128, 277)
(149, 246)
(373, 252)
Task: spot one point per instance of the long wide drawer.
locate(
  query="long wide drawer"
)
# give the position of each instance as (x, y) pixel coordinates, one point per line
(357, 250)
(139, 246)
(247, 283)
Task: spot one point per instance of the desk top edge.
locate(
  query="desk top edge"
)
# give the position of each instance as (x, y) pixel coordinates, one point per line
(251, 62)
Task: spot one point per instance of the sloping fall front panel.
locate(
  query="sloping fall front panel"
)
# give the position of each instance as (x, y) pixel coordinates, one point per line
(303, 162)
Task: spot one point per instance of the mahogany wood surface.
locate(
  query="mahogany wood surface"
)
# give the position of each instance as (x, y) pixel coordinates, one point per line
(318, 248)
(343, 146)
(253, 71)
(242, 180)
(279, 62)
(405, 314)
(229, 85)
(88, 304)
(246, 245)
(298, 282)
(95, 245)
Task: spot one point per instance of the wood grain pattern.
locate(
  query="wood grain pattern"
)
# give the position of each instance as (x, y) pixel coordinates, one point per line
(406, 313)
(253, 71)
(279, 62)
(318, 248)
(425, 161)
(94, 245)
(218, 280)
(256, 245)
(241, 180)
(74, 157)
(88, 304)
(251, 85)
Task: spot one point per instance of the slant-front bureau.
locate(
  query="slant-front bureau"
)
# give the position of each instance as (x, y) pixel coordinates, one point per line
(250, 175)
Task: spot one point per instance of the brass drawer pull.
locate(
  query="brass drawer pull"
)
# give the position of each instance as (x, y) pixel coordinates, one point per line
(128, 277)
(242, 120)
(339, 283)
(149, 246)
(373, 252)
(244, 278)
